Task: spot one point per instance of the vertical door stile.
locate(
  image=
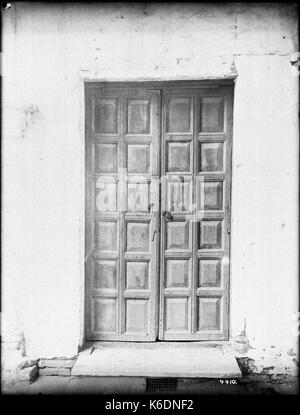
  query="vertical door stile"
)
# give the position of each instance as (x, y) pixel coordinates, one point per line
(88, 214)
(121, 215)
(155, 211)
(227, 202)
(92, 216)
(193, 222)
(162, 225)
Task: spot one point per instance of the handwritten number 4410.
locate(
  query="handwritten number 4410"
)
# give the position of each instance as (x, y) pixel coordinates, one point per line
(228, 381)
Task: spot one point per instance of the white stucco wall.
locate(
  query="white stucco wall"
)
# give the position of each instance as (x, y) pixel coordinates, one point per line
(48, 51)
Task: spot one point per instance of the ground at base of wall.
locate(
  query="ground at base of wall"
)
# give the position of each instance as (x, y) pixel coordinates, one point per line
(248, 385)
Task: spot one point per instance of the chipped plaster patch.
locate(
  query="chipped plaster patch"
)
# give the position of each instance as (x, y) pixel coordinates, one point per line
(271, 360)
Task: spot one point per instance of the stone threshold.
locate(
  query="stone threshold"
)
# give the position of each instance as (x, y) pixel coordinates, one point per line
(159, 359)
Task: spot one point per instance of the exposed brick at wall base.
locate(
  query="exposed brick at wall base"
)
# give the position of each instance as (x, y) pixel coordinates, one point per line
(56, 363)
(55, 367)
(52, 371)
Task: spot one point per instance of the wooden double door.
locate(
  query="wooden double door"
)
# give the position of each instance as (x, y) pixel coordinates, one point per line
(158, 180)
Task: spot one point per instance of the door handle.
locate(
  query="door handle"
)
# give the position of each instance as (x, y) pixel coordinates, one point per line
(154, 233)
(168, 216)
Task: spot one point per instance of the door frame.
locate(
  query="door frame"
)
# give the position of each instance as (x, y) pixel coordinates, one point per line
(164, 86)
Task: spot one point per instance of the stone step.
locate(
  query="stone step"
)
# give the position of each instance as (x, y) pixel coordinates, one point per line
(185, 362)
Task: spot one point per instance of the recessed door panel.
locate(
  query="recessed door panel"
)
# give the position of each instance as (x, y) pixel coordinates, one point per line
(105, 115)
(106, 273)
(179, 114)
(137, 316)
(177, 315)
(212, 114)
(209, 313)
(137, 275)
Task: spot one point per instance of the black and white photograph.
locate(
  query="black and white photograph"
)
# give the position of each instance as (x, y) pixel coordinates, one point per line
(150, 201)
